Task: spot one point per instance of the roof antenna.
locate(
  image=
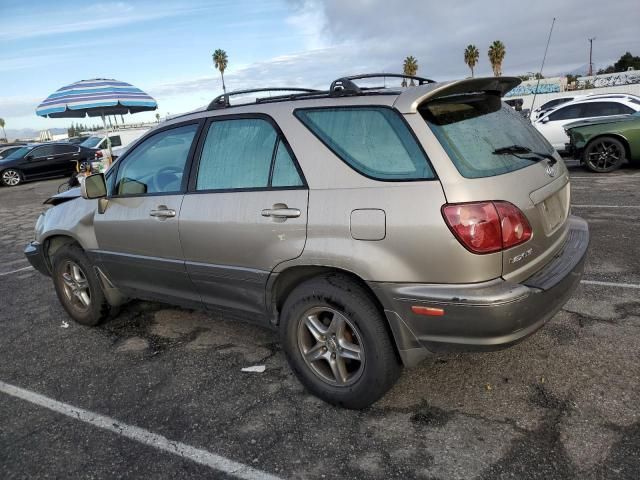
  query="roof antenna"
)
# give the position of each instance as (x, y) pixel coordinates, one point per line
(535, 93)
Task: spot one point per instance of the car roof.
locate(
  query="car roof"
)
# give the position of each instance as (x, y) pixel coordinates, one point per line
(344, 91)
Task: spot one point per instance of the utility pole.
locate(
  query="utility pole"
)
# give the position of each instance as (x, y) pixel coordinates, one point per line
(591, 55)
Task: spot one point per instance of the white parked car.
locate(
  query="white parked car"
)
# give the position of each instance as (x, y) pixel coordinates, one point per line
(551, 124)
(119, 140)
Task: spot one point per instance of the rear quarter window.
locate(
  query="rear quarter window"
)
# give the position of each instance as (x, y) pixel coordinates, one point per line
(374, 141)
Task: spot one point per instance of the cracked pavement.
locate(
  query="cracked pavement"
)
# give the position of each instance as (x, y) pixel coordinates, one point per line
(563, 404)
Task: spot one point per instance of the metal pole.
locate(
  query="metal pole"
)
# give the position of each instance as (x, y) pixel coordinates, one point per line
(591, 55)
(533, 103)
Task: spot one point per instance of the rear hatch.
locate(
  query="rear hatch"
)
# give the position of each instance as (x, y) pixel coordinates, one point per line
(468, 123)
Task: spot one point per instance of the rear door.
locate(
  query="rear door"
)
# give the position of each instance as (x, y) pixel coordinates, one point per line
(245, 211)
(137, 235)
(65, 158)
(470, 127)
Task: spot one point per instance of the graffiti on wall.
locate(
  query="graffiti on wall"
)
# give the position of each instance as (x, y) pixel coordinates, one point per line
(531, 87)
(609, 80)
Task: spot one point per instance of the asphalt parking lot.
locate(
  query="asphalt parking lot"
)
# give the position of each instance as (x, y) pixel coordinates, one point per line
(563, 404)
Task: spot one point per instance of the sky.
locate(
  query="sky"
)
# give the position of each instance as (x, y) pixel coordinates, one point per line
(165, 47)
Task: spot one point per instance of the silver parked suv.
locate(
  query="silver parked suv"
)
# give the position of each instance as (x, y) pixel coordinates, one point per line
(370, 226)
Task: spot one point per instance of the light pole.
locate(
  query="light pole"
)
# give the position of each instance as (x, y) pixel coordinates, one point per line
(591, 55)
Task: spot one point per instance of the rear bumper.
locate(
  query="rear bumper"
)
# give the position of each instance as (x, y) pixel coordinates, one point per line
(33, 252)
(483, 316)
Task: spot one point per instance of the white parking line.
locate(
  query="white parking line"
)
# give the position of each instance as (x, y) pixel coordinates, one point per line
(197, 455)
(606, 206)
(611, 284)
(15, 271)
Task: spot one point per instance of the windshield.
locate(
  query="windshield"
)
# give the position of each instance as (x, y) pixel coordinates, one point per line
(17, 153)
(472, 127)
(91, 142)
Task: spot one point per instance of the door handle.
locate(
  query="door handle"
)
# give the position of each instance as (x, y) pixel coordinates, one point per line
(162, 212)
(281, 212)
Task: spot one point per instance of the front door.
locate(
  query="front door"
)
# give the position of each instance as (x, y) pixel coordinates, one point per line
(245, 212)
(39, 162)
(137, 235)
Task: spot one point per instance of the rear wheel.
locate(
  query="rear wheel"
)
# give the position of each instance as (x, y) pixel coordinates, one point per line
(11, 177)
(337, 342)
(78, 287)
(604, 154)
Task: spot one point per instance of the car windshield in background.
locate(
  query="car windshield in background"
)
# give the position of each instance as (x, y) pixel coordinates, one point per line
(472, 127)
(18, 153)
(91, 142)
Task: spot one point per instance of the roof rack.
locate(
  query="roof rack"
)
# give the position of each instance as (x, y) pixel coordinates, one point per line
(222, 101)
(343, 86)
(346, 86)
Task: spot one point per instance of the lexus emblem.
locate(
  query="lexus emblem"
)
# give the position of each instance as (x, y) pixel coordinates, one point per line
(552, 170)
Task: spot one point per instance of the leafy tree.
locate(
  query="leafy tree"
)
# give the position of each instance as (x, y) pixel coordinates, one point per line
(410, 68)
(471, 55)
(622, 65)
(2, 124)
(221, 62)
(497, 52)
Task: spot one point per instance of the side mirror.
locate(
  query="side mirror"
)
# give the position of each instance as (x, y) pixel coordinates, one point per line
(545, 120)
(93, 186)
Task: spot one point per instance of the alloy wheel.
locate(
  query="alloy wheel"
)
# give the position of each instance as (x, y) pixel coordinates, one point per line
(76, 286)
(331, 346)
(11, 178)
(604, 155)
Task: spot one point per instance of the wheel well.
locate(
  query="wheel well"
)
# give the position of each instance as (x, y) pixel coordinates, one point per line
(289, 279)
(52, 244)
(625, 143)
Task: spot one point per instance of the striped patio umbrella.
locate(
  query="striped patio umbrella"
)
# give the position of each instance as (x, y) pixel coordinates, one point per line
(96, 98)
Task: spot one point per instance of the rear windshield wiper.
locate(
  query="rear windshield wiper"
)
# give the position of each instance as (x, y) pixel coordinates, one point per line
(518, 150)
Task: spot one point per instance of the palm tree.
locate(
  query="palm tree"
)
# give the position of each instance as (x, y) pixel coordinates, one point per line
(471, 55)
(496, 56)
(221, 61)
(410, 68)
(4, 134)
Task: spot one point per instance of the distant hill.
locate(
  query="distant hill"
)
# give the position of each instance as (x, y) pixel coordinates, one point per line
(30, 133)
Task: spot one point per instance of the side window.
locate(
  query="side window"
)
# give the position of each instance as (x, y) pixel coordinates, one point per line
(115, 141)
(236, 154)
(372, 140)
(157, 164)
(285, 173)
(604, 109)
(566, 113)
(45, 151)
(65, 149)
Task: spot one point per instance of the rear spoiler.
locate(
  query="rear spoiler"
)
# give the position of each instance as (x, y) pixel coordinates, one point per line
(410, 100)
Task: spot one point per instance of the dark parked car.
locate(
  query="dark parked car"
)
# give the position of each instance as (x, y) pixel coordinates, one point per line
(39, 161)
(77, 140)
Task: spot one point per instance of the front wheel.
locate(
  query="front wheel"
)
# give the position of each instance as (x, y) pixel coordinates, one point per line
(337, 342)
(78, 287)
(603, 155)
(11, 177)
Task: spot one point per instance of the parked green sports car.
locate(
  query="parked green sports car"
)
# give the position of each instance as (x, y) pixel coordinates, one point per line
(604, 144)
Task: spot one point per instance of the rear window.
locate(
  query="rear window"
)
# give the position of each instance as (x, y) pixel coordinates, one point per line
(471, 127)
(91, 142)
(374, 141)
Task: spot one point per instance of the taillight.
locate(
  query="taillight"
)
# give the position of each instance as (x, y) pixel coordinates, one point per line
(98, 154)
(487, 227)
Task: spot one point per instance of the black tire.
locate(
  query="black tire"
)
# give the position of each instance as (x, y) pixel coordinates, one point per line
(336, 296)
(11, 177)
(604, 155)
(68, 286)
